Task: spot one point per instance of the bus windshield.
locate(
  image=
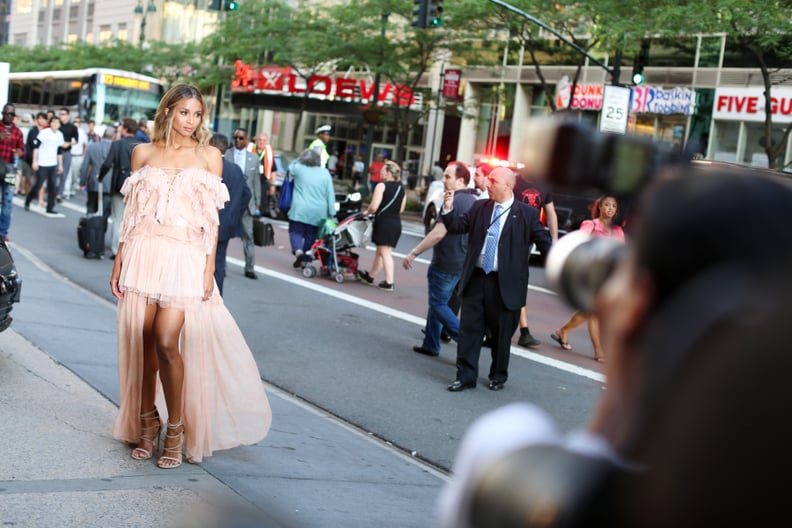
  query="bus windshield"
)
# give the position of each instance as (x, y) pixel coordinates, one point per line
(123, 102)
(100, 94)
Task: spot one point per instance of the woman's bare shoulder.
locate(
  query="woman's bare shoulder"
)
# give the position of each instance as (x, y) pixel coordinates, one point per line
(213, 159)
(143, 153)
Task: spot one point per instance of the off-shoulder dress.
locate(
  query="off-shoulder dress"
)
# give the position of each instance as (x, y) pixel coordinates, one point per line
(169, 227)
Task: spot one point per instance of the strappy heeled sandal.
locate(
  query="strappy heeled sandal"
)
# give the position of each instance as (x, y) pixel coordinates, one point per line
(164, 461)
(148, 433)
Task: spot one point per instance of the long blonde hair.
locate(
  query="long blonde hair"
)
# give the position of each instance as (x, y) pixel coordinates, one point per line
(163, 119)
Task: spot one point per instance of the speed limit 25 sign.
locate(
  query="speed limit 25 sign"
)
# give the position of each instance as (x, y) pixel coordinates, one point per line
(615, 109)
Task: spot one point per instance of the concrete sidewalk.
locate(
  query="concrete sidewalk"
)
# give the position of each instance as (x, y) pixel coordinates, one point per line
(61, 467)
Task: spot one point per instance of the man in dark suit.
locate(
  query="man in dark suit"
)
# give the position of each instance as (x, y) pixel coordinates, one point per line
(231, 213)
(494, 280)
(119, 159)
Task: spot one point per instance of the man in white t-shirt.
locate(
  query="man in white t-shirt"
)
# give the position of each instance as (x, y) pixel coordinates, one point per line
(77, 152)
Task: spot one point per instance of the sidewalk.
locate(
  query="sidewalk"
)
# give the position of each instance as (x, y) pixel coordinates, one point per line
(61, 467)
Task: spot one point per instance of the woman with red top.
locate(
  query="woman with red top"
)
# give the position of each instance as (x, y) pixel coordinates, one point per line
(603, 211)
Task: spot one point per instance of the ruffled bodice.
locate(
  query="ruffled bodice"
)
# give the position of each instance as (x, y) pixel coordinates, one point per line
(174, 197)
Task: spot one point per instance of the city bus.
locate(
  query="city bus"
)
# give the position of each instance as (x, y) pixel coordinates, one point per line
(100, 94)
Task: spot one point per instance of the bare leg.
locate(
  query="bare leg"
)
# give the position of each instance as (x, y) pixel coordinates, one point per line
(523, 317)
(168, 325)
(378, 264)
(150, 424)
(150, 360)
(576, 320)
(387, 262)
(593, 326)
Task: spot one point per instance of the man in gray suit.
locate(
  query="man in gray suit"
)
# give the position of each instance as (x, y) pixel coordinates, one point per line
(249, 164)
(95, 155)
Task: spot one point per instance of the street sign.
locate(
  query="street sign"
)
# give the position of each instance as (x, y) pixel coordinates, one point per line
(615, 109)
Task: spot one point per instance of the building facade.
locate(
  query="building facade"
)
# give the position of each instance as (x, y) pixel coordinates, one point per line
(51, 22)
(706, 105)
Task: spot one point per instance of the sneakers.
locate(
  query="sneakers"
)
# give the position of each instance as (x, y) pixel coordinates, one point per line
(365, 277)
(527, 340)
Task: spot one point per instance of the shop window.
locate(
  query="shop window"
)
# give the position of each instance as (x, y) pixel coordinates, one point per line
(645, 125)
(754, 152)
(724, 147)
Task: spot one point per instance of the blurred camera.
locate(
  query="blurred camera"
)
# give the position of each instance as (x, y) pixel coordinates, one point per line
(573, 155)
(579, 264)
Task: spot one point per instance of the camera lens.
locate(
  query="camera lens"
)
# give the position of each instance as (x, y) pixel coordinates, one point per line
(579, 264)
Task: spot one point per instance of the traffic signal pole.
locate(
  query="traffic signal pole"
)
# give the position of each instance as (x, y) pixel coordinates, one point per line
(614, 72)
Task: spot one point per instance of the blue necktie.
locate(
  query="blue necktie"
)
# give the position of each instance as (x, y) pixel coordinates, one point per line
(491, 247)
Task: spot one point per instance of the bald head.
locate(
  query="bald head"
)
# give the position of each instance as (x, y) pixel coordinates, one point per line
(500, 184)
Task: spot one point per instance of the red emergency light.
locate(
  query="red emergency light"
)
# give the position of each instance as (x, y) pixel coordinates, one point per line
(497, 162)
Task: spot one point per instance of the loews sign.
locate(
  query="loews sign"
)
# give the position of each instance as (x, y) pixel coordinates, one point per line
(281, 81)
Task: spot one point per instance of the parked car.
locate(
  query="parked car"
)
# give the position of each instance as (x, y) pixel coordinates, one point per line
(10, 285)
(345, 203)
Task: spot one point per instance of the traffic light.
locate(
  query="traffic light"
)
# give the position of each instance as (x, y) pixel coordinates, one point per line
(433, 13)
(640, 61)
(427, 14)
(224, 5)
(419, 13)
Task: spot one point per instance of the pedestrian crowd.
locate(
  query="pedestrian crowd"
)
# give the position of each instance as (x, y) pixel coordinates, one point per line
(670, 327)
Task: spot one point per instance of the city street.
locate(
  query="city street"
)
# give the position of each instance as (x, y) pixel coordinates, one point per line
(343, 350)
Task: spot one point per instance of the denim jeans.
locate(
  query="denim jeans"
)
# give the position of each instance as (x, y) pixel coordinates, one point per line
(7, 204)
(440, 287)
(302, 236)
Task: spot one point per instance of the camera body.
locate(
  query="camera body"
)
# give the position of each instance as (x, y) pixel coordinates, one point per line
(573, 156)
(579, 264)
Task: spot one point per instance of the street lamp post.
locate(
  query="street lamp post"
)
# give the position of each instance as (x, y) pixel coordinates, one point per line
(374, 104)
(151, 8)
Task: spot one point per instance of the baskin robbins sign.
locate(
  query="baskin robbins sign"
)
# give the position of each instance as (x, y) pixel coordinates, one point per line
(282, 81)
(645, 99)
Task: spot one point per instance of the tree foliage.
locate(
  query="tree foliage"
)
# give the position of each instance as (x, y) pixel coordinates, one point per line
(321, 38)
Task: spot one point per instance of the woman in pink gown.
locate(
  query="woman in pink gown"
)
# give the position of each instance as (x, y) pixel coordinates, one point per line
(180, 353)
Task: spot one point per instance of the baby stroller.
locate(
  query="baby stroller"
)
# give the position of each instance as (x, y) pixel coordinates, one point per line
(333, 252)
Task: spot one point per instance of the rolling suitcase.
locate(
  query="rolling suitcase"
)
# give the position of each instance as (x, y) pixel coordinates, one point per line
(91, 231)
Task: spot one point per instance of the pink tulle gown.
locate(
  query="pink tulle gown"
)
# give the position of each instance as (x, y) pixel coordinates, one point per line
(169, 227)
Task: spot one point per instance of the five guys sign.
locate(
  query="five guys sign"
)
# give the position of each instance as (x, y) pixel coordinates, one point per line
(280, 80)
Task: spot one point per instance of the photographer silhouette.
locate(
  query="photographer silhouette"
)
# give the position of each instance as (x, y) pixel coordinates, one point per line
(693, 423)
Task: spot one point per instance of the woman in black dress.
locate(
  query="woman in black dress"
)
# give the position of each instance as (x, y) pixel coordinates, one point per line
(387, 203)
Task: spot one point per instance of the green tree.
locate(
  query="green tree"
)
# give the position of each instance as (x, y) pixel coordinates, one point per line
(378, 35)
(275, 32)
(761, 28)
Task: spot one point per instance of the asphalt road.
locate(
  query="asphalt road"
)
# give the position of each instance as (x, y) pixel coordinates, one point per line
(346, 348)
